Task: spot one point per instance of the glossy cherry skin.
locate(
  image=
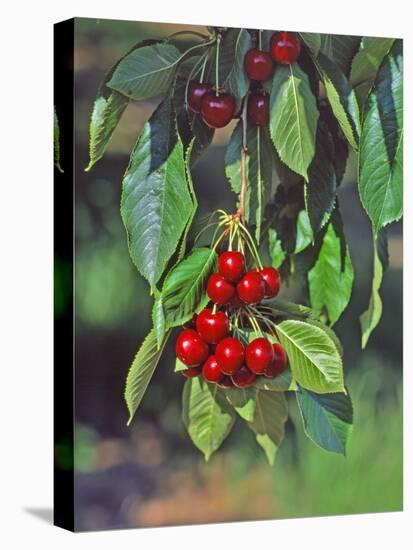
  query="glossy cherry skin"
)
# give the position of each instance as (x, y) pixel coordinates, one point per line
(258, 109)
(258, 64)
(196, 91)
(230, 355)
(279, 363)
(211, 371)
(190, 348)
(217, 110)
(251, 288)
(219, 290)
(225, 382)
(285, 47)
(243, 377)
(231, 265)
(272, 280)
(212, 327)
(259, 355)
(192, 372)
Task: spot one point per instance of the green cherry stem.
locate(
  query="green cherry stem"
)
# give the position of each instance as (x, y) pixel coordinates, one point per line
(218, 44)
(260, 40)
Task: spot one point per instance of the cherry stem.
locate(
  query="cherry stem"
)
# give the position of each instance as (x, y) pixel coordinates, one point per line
(253, 321)
(217, 65)
(201, 78)
(259, 40)
(251, 245)
(267, 322)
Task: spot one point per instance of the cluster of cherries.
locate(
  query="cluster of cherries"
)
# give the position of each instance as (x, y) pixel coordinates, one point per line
(208, 349)
(217, 107)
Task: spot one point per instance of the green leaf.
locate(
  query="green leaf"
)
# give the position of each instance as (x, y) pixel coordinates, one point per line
(370, 318)
(314, 359)
(277, 253)
(207, 415)
(243, 401)
(141, 371)
(183, 291)
(304, 232)
(366, 63)
(156, 202)
(381, 147)
(146, 72)
(232, 76)
(330, 285)
(312, 40)
(293, 118)
(158, 319)
(268, 425)
(56, 141)
(327, 419)
(341, 97)
(282, 382)
(179, 366)
(340, 49)
(259, 171)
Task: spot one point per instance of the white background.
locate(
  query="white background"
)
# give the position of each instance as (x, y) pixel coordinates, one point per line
(26, 271)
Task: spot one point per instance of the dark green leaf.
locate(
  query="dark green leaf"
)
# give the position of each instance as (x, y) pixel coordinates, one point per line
(312, 40)
(340, 49)
(283, 382)
(156, 203)
(381, 147)
(328, 419)
(235, 44)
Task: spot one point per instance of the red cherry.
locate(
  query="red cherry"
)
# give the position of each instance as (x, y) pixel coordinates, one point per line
(243, 377)
(225, 382)
(196, 91)
(272, 280)
(211, 371)
(212, 327)
(217, 110)
(219, 290)
(259, 355)
(258, 109)
(285, 47)
(192, 372)
(190, 348)
(251, 288)
(258, 65)
(230, 355)
(235, 302)
(279, 363)
(231, 265)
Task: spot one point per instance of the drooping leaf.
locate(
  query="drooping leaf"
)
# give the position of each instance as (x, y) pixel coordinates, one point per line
(183, 291)
(156, 202)
(282, 382)
(207, 415)
(141, 371)
(366, 63)
(381, 147)
(304, 232)
(370, 318)
(277, 253)
(269, 419)
(56, 141)
(327, 419)
(243, 401)
(158, 319)
(312, 40)
(293, 118)
(313, 357)
(232, 76)
(330, 285)
(340, 49)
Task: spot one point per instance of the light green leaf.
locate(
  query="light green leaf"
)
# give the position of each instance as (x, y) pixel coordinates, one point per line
(56, 141)
(156, 202)
(232, 76)
(207, 415)
(381, 147)
(243, 401)
(293, 118)
(277, 253)
(158, 319)
(141, 371)
(327, 419)
(314, 359)
(179, 366)
(183, 291)
(304, 232)
(268, 425)
(330, 282)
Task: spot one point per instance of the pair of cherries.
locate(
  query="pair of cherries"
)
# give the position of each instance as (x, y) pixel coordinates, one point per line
(217, 108)
(233, 286)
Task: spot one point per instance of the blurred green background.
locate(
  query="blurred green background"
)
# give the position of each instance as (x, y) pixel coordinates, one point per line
(150, 473)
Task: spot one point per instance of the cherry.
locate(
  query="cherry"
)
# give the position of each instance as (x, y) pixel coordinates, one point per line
(285, 47)
(235, 302)
(192, 372)
(211, 371)
(230, 355)
(258, 64)
(231, 265)
(225, 382)
(217, 110)
(219, 290)
(212, 327)
(243, 377)
(258, 108)
(251, 288)
(259, 355)
(190, 348)
(196, 91)
(279, 363)
(272, 280)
